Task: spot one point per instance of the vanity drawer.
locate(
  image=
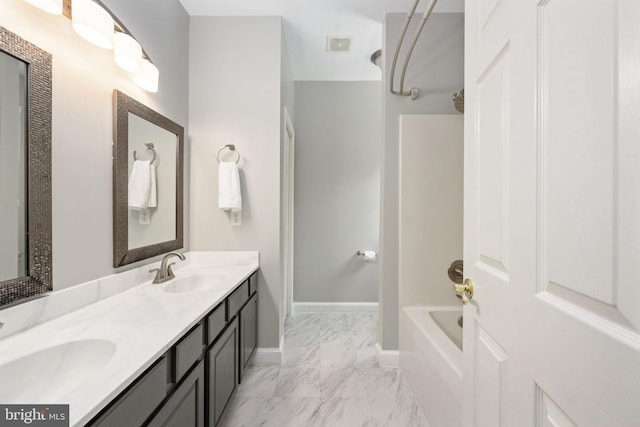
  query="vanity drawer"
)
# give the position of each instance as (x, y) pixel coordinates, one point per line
(253, 283)
(216, 322)
(238, 298)
(188, 351)
(139, 401)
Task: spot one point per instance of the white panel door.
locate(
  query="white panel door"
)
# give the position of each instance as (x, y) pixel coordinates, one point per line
(552, 213)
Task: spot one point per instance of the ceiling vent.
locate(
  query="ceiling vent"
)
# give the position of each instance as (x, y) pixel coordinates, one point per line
(338, 43)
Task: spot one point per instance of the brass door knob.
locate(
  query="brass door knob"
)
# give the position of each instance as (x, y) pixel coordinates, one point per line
(465, 291)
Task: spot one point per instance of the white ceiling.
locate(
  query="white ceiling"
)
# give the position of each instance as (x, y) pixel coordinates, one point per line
(308, 23)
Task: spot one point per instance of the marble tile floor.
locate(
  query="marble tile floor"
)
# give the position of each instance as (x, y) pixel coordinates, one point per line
(329, 377)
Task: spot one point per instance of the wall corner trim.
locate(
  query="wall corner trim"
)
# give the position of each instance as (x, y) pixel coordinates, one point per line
(387, 358)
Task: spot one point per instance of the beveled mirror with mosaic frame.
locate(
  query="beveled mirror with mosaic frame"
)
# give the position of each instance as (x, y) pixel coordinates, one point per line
(136, 126)
(33, 236)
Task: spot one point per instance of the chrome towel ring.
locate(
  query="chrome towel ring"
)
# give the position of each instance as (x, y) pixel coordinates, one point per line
(231, 147)
(149, 146)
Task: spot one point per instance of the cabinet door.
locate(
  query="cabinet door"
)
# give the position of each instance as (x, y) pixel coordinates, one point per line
(185, 407)
(248, 332)
(139, 401)
(222, 372)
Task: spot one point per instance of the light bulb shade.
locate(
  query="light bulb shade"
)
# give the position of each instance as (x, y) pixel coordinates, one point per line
(92, 23)
(127, 52)
(147, 78)
(52, 6)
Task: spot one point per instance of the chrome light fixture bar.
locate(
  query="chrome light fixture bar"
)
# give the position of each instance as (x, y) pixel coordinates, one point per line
(94, 22)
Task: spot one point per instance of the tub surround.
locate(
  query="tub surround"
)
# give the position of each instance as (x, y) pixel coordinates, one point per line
(431, 160)
(141, 319)
(432, 363)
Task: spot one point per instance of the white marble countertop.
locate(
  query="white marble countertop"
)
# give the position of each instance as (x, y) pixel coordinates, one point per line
(143, 321)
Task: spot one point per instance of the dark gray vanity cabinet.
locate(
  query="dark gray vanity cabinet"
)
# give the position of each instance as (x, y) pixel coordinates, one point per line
(193, 382)
(222, 371)
(233, 350)
(185, 407)
(248, 332)
(139, 401)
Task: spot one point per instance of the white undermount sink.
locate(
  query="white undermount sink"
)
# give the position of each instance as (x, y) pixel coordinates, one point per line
(48, 375)
(197, 283)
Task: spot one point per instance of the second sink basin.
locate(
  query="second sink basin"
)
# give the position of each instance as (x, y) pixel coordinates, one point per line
(197, 283)
(48, 375)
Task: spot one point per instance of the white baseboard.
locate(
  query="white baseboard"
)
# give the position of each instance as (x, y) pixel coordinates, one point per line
(334, 307)
(387, 358)
(267, 357)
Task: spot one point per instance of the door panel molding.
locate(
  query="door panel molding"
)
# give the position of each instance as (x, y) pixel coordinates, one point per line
(490, 360)
(549, 412)
(608, 322)
(578, 146)
(492, 180)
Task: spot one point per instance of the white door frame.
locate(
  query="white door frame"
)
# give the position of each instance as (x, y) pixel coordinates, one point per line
(289, 178)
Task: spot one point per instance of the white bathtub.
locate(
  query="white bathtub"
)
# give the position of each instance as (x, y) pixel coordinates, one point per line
(431, 361)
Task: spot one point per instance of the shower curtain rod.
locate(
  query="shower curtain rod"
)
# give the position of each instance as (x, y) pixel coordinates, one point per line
(413, 93)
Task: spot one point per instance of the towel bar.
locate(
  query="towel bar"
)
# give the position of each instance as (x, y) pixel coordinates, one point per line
(231, 147)
(151, 147)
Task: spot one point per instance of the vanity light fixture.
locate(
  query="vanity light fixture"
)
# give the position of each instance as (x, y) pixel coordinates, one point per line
(147, 78)
(127, 52)
(94, 22)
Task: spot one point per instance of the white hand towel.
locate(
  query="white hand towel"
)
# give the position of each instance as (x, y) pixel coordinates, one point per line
(139, 185)
(153, 194)
(229, 195)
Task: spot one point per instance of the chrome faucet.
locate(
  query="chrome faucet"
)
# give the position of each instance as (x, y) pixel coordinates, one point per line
(164, 273)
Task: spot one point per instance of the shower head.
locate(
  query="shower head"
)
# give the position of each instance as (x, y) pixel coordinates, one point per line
(458, 101)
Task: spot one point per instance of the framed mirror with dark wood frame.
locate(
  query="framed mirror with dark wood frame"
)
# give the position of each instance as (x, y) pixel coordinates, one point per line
(25, 170)
(147, 182)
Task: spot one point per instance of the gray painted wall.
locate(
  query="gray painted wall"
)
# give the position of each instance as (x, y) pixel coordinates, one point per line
(84, 77)
(337, 190)
(437, 69)
(235, 98)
